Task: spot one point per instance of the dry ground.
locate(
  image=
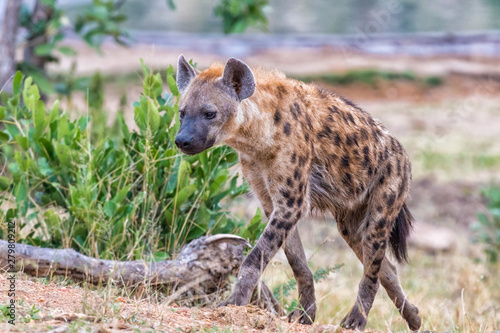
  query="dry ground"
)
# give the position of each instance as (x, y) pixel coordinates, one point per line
(451, 133)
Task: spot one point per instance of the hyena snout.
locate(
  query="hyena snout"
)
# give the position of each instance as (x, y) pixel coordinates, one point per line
(183, 142)
(192, 142)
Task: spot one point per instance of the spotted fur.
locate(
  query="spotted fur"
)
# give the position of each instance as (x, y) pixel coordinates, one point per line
(304, 149)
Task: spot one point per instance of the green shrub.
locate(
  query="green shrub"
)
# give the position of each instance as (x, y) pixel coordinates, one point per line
(130, 196)
(487, 228)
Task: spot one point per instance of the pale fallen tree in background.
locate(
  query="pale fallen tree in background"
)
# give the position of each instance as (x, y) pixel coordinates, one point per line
(202, 267)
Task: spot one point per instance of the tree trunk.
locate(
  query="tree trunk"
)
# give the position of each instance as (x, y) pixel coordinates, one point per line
(202, 267)
(8, 43)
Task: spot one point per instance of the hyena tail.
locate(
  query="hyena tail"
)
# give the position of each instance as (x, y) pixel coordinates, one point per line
(400, 233)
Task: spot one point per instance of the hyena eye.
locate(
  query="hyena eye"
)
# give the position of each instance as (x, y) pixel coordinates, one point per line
(210, 115)
(182, 114)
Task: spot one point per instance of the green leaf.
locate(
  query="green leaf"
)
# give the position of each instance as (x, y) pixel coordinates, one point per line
(22, 141)
(17, 83)
(172, 85)
(44, 50)
(110, 208)
(5, 183)
(171, 4)
(21, 194)
(2, 112)
(4, 137)
(145, 68)
(122, 194)
(62, 128)
(64, 154)
(183, 195)
(39, 119)
(66, 50)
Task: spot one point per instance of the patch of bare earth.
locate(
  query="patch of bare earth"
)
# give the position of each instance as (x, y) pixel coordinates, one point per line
(55, 307)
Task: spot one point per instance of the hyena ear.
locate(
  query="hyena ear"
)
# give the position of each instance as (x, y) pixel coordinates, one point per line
(185, 73)
(239, 76)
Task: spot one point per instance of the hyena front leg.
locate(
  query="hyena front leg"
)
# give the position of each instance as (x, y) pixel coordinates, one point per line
(289, 204)
(293, 248)
(297, 259)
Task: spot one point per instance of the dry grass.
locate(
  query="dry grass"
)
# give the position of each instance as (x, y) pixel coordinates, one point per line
(454, 291)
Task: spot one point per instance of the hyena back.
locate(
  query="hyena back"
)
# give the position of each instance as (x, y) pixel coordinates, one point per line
(302, 149)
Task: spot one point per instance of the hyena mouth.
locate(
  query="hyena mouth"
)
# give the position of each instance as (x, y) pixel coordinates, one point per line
(194, 148)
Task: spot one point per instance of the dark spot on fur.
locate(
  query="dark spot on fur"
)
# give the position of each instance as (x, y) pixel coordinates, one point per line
(389, 169)
(294, 158)
(289, 181)
(376, 245)
(296, 174)
(380, 209)
(345, 161)
(277, 117)
(301, 187)
(293, 112)
(297, 108)
(352, 139)
(337, 139)
(344, 231)
(309, 123)
(333, 109)
(285, 194)
(347, 180)
(281, 91)
(269, 235)
(287, 215)
(391, 199)
(273, 222)
(306, 137)
(366, 150)
(364, 134)
(290, 202)
(299, 215)
(302, 160)
(286, 129)
(382, 180)
(350, 117)
(255, 257)
(381, 224)
(378, 261)
(373, 279)
(284, 225)
(299, 201)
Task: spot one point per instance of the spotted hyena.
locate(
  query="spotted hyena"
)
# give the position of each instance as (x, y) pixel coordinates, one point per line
(304, 149)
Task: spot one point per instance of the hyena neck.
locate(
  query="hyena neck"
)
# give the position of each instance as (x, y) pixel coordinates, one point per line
(252, 130)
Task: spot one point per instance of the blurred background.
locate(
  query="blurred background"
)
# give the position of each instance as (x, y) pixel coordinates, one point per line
(429, 70)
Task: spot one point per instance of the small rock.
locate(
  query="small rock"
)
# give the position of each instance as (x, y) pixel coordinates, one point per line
(433, 239)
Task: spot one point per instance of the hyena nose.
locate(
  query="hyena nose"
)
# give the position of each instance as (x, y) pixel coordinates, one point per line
(182, 142)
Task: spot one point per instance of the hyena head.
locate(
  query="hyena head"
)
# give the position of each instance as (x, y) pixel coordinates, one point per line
(209, 103)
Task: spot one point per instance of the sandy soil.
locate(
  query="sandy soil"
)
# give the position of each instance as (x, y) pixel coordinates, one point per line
(66, 308)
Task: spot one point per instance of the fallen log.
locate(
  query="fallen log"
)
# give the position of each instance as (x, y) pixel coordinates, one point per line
(202, 267)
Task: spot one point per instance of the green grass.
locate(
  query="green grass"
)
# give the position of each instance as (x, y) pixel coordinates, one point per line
(371, 77)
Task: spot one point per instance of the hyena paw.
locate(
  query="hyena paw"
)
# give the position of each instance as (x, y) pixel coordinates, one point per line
(230, 301)
(354, 320)
(410, 314)
(301, 316)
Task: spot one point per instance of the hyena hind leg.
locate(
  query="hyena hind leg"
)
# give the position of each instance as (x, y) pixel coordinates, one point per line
(296, 257)
(388, 278)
